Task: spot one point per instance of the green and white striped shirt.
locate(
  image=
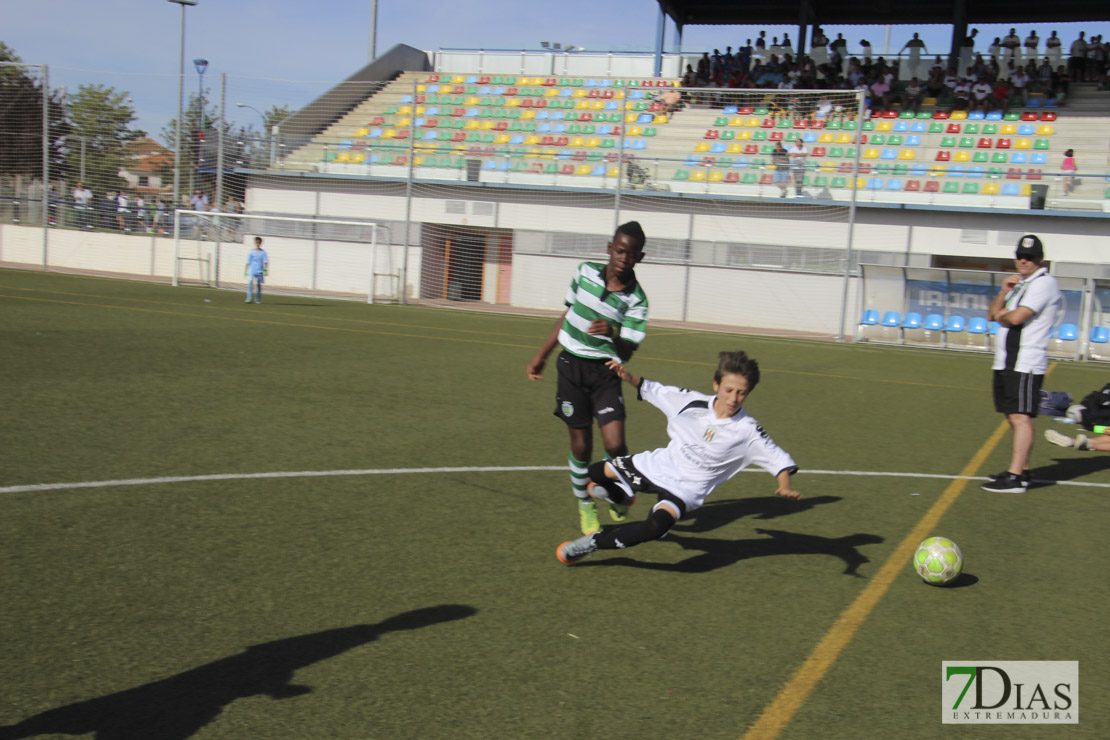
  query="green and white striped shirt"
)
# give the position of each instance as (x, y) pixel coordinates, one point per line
(626, 311)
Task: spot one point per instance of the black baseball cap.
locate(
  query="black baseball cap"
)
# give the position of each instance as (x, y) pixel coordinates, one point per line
(1029, 247)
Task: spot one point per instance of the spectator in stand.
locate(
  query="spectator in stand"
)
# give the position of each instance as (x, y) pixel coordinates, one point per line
(981, 95)
(1044, 78)
(880, 93)
(1069, 167)
(798, 154)
(961, 95)
(704, 70)
(671, 99)
(1010, 44)
(780, 158)
(81, 197)
(967, 50)
(161, 218)
(934, 86)
(1052, 50)
(917, 48)
(1032, 41)
(1019, 81)
(1078, 61)
(995, 49)
(690, 78)
(1001, 95)
(911, 100)
(1060, 82)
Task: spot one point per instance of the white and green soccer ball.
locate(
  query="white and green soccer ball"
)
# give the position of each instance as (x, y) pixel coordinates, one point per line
(938, 560)
(1075, 412)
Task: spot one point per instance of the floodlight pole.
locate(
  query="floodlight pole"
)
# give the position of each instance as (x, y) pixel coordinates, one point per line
(201, 65)
(180, 105)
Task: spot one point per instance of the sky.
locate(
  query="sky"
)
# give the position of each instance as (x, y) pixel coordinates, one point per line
(290, 51)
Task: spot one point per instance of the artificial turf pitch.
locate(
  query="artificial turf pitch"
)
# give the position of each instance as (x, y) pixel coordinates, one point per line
(409, 587)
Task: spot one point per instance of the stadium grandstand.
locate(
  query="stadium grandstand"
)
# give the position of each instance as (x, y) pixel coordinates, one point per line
(480, 177)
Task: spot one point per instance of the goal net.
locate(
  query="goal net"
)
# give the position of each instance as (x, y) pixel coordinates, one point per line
(341, 258)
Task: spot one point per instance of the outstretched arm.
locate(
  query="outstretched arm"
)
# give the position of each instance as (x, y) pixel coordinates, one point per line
(785, 490)
(623, 374)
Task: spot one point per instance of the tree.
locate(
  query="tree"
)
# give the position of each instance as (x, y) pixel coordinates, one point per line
(100, 132)
(21, 114)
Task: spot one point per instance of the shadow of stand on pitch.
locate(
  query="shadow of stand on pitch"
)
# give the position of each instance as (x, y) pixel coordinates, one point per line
(177, 707)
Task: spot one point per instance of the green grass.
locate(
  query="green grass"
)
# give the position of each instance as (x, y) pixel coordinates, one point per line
(430, 604)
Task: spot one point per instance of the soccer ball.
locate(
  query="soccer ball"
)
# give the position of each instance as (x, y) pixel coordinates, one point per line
(938, 560)
(1075, 412)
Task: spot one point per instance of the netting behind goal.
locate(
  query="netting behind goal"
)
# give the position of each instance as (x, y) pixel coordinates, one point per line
(310, 256)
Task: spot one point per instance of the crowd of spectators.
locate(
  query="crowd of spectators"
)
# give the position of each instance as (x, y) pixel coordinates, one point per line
(1005, 75)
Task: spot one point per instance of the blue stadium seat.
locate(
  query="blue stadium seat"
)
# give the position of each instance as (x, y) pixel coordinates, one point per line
(977, 325)
(892, 318)
(934, 322)
(955, 324)
(1068, 333)
(870, 317)
(912, 321)
(1038, 158)
(1100, 334)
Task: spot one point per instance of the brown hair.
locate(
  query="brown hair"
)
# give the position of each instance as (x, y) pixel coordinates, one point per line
(738, 363)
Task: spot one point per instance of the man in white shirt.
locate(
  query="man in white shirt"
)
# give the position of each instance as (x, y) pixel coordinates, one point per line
(1027, 307)
(981, 94)
(798, 154)
(81, 197)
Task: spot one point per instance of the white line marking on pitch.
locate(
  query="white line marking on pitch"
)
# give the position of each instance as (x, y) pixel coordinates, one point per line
(403, 471)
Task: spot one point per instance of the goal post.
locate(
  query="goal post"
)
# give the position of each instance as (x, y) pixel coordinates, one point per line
(344, 258)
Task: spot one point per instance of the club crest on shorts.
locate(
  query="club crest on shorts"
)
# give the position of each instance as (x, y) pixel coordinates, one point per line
(710, 433)
(567, 408)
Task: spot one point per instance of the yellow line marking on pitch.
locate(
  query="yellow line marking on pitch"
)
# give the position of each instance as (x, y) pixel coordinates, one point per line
(790, 698)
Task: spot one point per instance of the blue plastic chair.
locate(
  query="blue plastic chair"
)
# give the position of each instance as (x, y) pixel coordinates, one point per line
(955, 324)
(901, 127)
(1100, 334)
(934, 322)
(994, 115)
(731, 110)
(892, 319)
(893, 184)
(977, 325)
(912, 321)
(976, 115)
(993, 327)
(1019, 158)
(1038, 158)
(1025, 129)
(870, 317)
(1011, 189)
(919, 127)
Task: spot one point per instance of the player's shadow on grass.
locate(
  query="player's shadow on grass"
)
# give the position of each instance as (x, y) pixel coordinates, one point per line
(720, 553)
(719, 513)
(1070, 468)
(177, 707)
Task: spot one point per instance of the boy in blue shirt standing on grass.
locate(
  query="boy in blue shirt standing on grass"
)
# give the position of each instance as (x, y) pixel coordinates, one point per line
(258, 267)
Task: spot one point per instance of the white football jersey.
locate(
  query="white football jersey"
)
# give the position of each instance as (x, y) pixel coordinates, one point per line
(704, 451)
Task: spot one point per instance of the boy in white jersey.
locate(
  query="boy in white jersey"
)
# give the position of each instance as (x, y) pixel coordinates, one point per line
(606, 321)
(712, 439)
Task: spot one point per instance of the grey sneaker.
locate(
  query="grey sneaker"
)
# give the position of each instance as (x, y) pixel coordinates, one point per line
(617, 512)
(1082, 442)
(1007, 482)
(1060, 440)
(574, 550)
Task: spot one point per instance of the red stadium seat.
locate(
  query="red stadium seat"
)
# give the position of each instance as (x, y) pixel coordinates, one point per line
(940, 115)
(1003, 144)
(890, 114)
(1029, 116)
(732, 177)
(1048, 116)
(932, 186)
(913, 186)
(818, 151)
(766, 179)
(944, 156)
(953, 128)
(712, 133)
(1014, 173)
(984, 143)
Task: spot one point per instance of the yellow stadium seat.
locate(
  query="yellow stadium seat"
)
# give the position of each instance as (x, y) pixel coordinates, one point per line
(487, 124)
(593, 142)
(583, 169)
(906, 154)
(582, 104)
(404, 122)
(884, 125)
(472, 124)
(458, 79)
(990, 188)
(343, 157)
(358, 157)
(551, 92)
(753, 123)
(630, 117)
(843, 138)
(938, 170)
(734, 148)
(512, 102)
(701, 146)
(828, 166)
(716, 176)
(388, 133)
(421, 88)
(532, 140)
(1008, 129)
(473, 100)
(635, 131)
(502, 139)
(825, 138)
(661, 118)
(958, 115)
(597, 104)
(1044, 130)
(579, 93)
(961, 157)
(1026, 189)
(405, 110)
(613, 172)
(362, 132)
(528, 114)
(870, 154)
(698, 175)
(578, 141)
(1023, 144)
(736, 122)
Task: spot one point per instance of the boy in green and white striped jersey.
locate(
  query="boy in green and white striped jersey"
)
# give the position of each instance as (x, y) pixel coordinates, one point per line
(606, 320)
